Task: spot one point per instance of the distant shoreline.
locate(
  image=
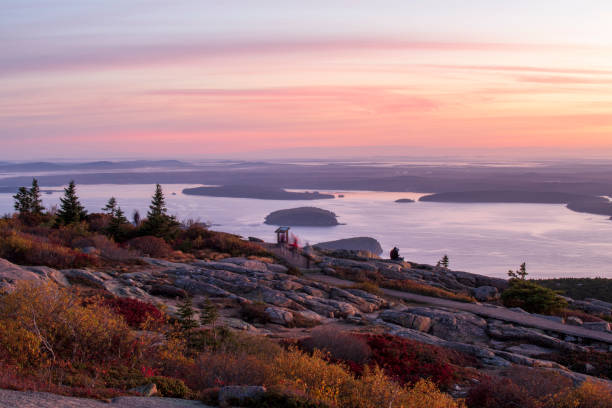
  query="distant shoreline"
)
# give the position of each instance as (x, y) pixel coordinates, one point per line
(259, 193)
(575, 202)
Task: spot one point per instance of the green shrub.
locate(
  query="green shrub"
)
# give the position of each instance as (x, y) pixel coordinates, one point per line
(171, 387)
(533, 298)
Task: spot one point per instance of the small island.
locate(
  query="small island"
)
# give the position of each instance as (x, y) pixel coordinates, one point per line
(405, 200)
(353, 244)
(302, 216)
(256, 192)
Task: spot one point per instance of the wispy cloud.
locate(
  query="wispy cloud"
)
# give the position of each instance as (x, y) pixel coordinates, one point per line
(51, 57)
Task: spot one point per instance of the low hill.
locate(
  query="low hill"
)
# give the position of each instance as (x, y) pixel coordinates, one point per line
(302, 216)
(353, 244)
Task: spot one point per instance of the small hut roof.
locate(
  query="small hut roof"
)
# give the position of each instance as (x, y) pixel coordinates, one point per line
(282, 229)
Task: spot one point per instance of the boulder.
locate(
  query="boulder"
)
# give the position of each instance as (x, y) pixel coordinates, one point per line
(86, 277)
(278, 315)
(407, 319)
(453, 325)
(484, 293)
(574, 321)
(509, 332)
(10, 274)
(147, 390)
(196, 287)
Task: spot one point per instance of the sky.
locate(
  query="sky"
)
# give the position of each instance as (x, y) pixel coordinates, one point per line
(199, 79)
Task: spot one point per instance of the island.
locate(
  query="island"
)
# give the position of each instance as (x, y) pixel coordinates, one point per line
(576, 202)
(353, 244)
(302, 216)
(404, 200)
(256, 192)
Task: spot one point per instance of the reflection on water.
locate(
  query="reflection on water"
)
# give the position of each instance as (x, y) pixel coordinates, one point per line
(484, 238)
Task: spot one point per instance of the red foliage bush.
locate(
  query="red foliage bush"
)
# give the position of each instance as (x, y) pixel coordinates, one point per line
(339, 344)
(408, 361)
(151, 246)
(499, 393)
(134, 311)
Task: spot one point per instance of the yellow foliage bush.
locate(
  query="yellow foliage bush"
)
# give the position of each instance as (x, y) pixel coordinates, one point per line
(588, 395)
(65, 328)
(332, 384)
(18, 344)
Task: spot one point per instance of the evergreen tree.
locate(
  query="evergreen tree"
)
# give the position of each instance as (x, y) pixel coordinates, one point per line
(444, 261)
(111, 206)
(185, 315)
(71, 211)
(209, 313)
(117, 223)
(23, 201)
(520, 274)
(36, 205)
(158, 222)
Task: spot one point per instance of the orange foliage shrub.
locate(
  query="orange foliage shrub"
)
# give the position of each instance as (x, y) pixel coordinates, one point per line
(26, 249)
(150, 246)
(58, 327)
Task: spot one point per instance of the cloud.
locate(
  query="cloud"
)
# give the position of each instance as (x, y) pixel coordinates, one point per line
(53, 57)
(512, 68)
(561, 80)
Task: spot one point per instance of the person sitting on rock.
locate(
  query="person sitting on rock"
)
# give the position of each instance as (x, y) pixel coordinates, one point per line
(394, 255)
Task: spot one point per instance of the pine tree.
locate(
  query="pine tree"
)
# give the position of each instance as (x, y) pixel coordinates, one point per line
(111, 206)
(23, 201)
(116, 224)
(71, 211)
(520, 274)
(36, 205)
(158, 222)
(185, 315)
(209, 313)
(444, 261)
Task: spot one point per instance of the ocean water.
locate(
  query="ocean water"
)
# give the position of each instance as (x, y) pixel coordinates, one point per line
(480, 238)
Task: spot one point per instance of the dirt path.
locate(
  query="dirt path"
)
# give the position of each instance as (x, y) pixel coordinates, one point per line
(30, 399)
(483, 310)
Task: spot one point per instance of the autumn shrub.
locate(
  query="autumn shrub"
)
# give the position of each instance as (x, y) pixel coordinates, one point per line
(197, 237)
(26, 249)
(217, 369)
(369, 287)
(592, 362)
(324, 382)
(539, 384)
(424, 289)
(584, 316)
(150, 246)
(588, 395)
(66, 329)
(408, 361)
(106, 248)
(499, 393)
(134, 311)
(339, 344)
(19, 345)
(254, 312)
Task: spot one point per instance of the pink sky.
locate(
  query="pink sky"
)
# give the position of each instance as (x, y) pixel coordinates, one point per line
(201, 79)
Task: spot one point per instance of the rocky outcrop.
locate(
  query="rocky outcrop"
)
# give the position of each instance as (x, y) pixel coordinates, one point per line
(10, 274)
